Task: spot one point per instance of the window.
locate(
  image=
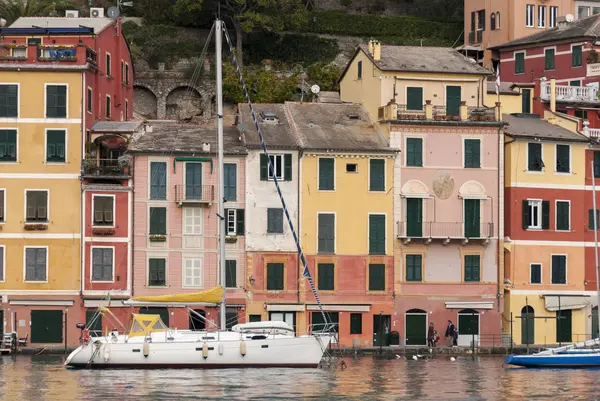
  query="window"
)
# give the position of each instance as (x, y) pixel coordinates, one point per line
(230, 175)
(535, 275)
(356, 323)
(472, 268)
(192, 220)
(583, 12)
(275, 221)
(18, 52)
(581, 114)
(359, 71)
(89, 100)
(157, 273)
(326, 276)
(563, 158)
(326, 233)
(282, 167)
(553, 16)
(534, 157)
(275, 276)
(414, 265)
(326, 174)
(414, 98)
(108, 106)
(2, 203)
(549, 56)
(122, 71)
(597, 164)
(9, 100)
(8, 145)
(414, 152)
(351, 168)
(158, 220)
(529, 15)
(126, 109)
(235, 221)
(230, 273)
(519, 63)
(377, 175)
(56, 146)
(102, 264)
(473, 14)
(481, 20)
(126, 74)
(37, 206)
(193, 181)
(2, 248)
(559, 269)
(493, 22)
(158, 180)
(108, 65)
(376, 277)
(577, 56)
(36, 264)
(498, 20)
(541, 16)
(536, 214)
(377, 234)
(575, 83)
(591, 225)
(254, 318)
(563, 215)
(103, 210)
(56, 101)
(472, 153)
(192, 273)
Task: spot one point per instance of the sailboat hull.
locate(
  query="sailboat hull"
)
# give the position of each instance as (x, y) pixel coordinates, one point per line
(555, 361)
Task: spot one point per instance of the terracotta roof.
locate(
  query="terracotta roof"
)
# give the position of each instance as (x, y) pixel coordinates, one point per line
(276, 134)
(336, 127)
(505, 88)
(532, 126)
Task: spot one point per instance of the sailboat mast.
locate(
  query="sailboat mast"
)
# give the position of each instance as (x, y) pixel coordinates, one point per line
(221, 191)
(596, 246)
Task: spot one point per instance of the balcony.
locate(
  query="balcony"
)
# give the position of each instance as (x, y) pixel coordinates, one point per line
(566, 93)
(429, 112)
(475, 37)
(196, 195)
(106, 168)
(445, 231)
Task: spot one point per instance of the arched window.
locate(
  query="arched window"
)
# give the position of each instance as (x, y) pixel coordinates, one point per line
(498, 20)
(493, 21)
(527, 325)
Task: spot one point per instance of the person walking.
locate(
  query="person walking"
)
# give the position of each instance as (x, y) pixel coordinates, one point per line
(452, 333)
(431, 335)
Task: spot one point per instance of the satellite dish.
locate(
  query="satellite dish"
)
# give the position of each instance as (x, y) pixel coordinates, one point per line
(569, 17)
(112, 12)
(315, 89)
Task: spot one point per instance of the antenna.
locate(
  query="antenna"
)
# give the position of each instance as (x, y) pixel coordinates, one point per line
(569, 18)
(113, 12)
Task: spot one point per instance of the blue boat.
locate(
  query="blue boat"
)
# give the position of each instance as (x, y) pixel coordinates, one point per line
(570, 356)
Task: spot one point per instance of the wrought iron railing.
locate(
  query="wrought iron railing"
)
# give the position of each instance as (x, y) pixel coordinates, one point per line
(106, 168)
(194, 193)
(444, 230)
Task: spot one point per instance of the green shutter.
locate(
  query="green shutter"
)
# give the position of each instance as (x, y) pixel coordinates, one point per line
(287, 167)
(453, 100)
(377, 175)
(326, 174)
(591, 224)
(230, 178)
(563, 158)
(356, 323)
(526, 214)
(9, 95)
(414, 217)
(56, 101)
(549, 55)
(55, 146)
(597, 164)
(240, 214)
(376, 234)
(326, 233)
(8, 145)
(472, 268)
(230, 273)
(545, 215)
(376, 277)
(519, 63)
(158, 220)
(158, 180)
(359, 72)
(577, 58)
(275, 221)
(472, 153)
(562, 215)
(414, 98)
(536, 274)
(275, 276)
(156, 272)
(414, 267)
(559, 269)
(414, 152)
(472, 218)
(326, 276)
(534, 155)
(264, 167)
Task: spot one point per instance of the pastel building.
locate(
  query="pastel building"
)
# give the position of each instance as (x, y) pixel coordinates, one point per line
(60, 76)
(176, 224)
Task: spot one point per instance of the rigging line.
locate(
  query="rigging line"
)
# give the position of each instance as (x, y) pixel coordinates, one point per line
(199, 65)
(306, 272)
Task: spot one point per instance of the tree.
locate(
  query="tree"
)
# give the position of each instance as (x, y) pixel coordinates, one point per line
(265, 86)
(11, 10)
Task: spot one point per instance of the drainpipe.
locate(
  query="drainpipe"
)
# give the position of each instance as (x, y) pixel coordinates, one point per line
(298, 226)
(82, 194)
(132, 239)
(500, 196)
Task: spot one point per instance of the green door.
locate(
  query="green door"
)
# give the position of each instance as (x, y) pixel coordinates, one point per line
(414, 217)
(163, 312)
(416, 329)
(472, 216)
(527, 325)
(94, 323)
(564, 323)
(453, 99)
(381, 330)
(595, 322)
(526, 100)
(46, 326)
(468, 323)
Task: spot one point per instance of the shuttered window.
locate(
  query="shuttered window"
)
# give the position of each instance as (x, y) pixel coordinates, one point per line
(326, 233)
(597, 164)
(230, 175)
(414, 98)
(8, 145)
(2, 248)
(563, 216)
(275, 221)
(414, 265)
(36, 260)
(56, 146)
(2, 211)
(376, 277)
(356, 323)
(9, 97)
(534, 157)
(591, 224)
(536, 273)
(472, 153)
(158, 180)
(158, 220)
(37, 206)
(103, 210)
(559, 269)
(414, 152)
(376, 175)
(326, 276)
(235, 221)
(282, 167)
(326, 174)
(157, 272)
(230, 273)
(376, 234)
(56, 101)
(577, 56)
(549, 58)
(193, 181)
(472, 268)
(275, 276)
(563, 158)
(192, 272)
(519, 63)
(102, 264)
(359, 70)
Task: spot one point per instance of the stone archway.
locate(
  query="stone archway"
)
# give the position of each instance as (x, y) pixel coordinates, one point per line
(145, 101)
(184, 103)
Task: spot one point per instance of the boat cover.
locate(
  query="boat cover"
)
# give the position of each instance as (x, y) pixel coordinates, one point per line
(264, 325)
(566, 303)
(146, 324)
(214, 295)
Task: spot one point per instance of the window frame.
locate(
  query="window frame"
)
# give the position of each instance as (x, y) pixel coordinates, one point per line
(334, 233)
(359, 70)
(529, 15)
(3, 205)
(269, 226)
(569, 171)
(114, 206)
(161, 257)
(184, 260)
(18, 85)
(230, 221)
(464, 259)
(47, 207)
(573, 46)
(319, 174)
(385, 233)
(552, 16)
(517, 70)
(16, 145)
(531, 273)
(406, 88)
(355, 170)
(25, 248)
(108, 64)
(46, 85)
(318, 271)
(192, 186)
(226, 275)
(90, 100)
(92, 264)
(166, 197)
(422, 139)
(566, 268)
(150, 207)
(556, 202)
(546, 50)
(406, 268)
(108, 107)
(3, 261)
(385, 281)
(236, 167)
(541, 16)
(539, 213)
(65, 161)
(267, 263)
(184, 224)
(274, 162)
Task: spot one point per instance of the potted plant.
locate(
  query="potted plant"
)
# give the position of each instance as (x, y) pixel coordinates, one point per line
(124, 162)
(157, 237)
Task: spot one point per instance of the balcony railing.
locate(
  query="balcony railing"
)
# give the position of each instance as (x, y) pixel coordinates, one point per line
(397, 112)
(479, 36)
(594, 134)
(194, 195)
(571, 93)
(408, 114)
(105, 168)
(472, 37)
(444, 230)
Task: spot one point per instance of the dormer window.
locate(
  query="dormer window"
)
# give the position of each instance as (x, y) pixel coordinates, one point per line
(269, 117)
(353, 117)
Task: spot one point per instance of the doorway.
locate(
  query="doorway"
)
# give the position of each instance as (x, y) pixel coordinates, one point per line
(415, 330)
(287, 317)
(527, 325)
(564, 324)
(414, 217)
(47, 326)
(594, 322)
(163, 312)
(2, 326)
(197, 323)
(381, 330)
(93, 321)
(526, 100)
(468, 327)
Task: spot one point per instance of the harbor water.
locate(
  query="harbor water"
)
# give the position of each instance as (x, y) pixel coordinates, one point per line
(33, 378)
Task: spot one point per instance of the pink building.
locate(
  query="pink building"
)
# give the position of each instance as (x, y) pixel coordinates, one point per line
(176, 222)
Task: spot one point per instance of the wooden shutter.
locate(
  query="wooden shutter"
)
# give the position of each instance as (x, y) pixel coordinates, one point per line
(597, 164)
(549, 59)
(545, 215)
(264, 167)
(562, 158)
(577, 56)
(326, 276)
(377, 175)
(230, 174)
(519, 63)
(8, 101)
(414, 267)
(30, 264)
(326, 174)
(559, 267)
(2, 206)
(55, 145)
(376, 234)
(96, 264)
(414, 152)
(193, 181)
(231, 273)
(158, 220)
(158, 180)
(356, 323)
(472, 153)
(591, 224)
(40, 264)
(562, 215)
(326, 233)
(414, 98)
(376, 277)
(526, 214)
(287, 167)
(239, 222)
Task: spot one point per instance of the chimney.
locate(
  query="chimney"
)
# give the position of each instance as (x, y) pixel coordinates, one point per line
(563, 22)
(375, 49)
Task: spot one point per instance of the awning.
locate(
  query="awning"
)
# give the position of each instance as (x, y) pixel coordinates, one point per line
(285, 307)
(95, 303)
(566, 302)
(340, 308)
(469, 305)
(41, 303)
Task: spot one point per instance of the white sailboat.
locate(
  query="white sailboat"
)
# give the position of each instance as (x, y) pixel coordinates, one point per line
(150, 344)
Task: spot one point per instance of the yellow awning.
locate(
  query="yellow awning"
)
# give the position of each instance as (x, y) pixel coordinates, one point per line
(213, 296)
